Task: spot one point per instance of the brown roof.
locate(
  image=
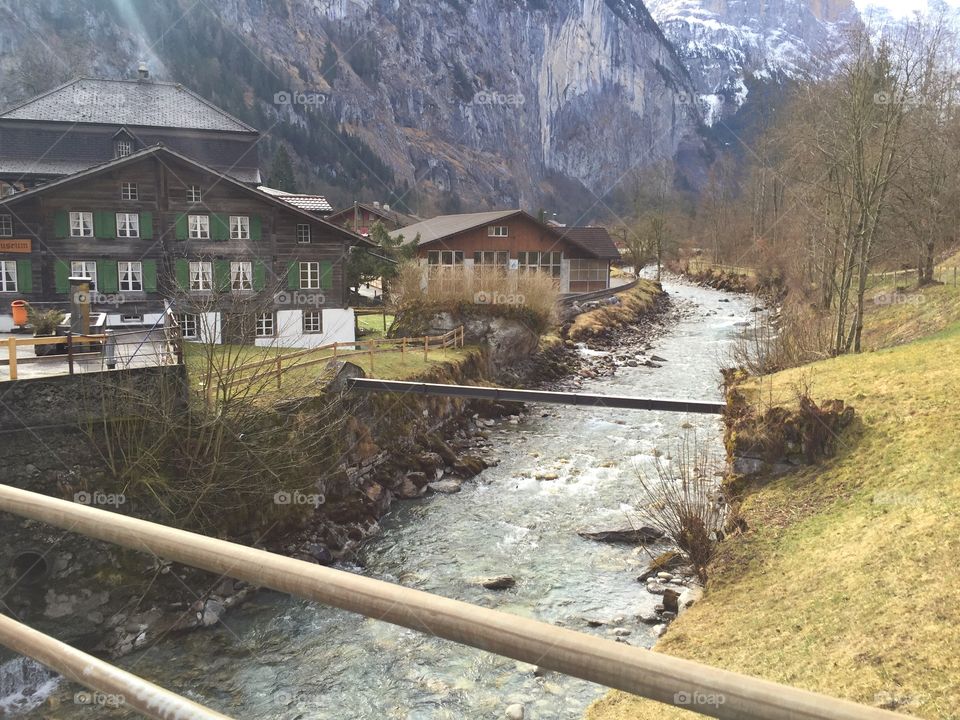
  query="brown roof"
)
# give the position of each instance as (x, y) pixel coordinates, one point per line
(594, 239)
(398, 218)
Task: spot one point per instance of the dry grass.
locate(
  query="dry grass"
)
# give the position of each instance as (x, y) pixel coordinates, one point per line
(634, 304)
(454, 288)
(846, 582)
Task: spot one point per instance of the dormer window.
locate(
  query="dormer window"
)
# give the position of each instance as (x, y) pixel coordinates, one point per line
(122, 148)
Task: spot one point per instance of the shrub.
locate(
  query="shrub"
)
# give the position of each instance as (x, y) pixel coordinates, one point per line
(684, 502)
(45, 322)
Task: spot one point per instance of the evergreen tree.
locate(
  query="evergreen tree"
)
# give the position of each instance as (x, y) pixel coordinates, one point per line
(281, 173)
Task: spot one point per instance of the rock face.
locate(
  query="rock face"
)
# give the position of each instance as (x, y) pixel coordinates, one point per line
(487, 102)
(728, 44)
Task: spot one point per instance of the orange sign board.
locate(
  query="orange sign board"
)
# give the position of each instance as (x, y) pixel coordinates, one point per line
(16, 246)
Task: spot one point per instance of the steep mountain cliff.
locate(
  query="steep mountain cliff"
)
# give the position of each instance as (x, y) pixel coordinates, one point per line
(433, 104)
(728, 44)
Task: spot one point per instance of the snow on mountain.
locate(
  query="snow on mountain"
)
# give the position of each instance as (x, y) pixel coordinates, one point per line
(723, 42)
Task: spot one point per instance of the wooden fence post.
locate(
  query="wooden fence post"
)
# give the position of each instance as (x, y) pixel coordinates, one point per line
(403, 345)
(279, 370)
(373, 351)
(12, 353)
(70, 351)
(426, 347)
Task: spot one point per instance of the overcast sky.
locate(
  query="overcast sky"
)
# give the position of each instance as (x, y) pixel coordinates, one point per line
(899, 7)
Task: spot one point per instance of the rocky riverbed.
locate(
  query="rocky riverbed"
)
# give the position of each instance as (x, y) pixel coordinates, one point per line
(507, 538)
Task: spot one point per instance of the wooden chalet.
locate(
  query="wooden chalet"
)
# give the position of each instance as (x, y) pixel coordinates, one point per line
(157, 229)
(361, 217)
(578, 258)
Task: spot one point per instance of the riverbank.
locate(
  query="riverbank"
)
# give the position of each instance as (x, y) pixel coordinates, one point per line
(844, 581)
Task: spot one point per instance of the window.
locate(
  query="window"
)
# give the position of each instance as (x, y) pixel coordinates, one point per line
(6, 226)
(128, 191)
(85, 268)
(497, 231)
(588, 270)
(547, 262)
(239, 227)
(8, 276)
(193, 194)
(310, 276)
(199, 227)
(312, 321)
(241, 276)
(131, 276)
(122, 148)
(445, 258)
(201, 276)
(188, 326)
(489, 258)
(303, 234)
(128, 225)
(81, 224)
(265, 325)
(131, 319)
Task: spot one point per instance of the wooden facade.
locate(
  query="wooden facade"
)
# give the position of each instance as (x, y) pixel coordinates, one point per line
(361, 217)
(254, 243)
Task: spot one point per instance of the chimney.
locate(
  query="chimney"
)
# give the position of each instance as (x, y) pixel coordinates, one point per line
(386, 207)
(142, 72)
(376, 204)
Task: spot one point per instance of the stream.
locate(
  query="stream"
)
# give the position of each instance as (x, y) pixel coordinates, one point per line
(280, 658)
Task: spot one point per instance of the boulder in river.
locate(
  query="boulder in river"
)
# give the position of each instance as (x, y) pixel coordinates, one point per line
(630, 535)
(670, 600)
(514, 712)
(498, 582)
(445, 487)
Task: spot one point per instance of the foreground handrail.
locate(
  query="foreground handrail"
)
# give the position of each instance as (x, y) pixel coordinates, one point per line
(710, 691)
(119, 688)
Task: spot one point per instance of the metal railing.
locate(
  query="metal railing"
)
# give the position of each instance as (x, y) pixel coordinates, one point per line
(657, 676)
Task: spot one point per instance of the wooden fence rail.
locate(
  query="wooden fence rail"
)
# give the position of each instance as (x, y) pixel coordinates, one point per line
(274, 368)
(14, 343)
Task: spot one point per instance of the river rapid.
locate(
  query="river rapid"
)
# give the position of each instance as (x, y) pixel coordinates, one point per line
(280, 658)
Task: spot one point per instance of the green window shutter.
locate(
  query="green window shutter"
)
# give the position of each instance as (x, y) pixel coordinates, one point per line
(149, 275)
(104, 224)
(259, 276)
(182, 229)
(183, 274)
(146, 225)
(108, 277)
(61, 276)
(61, 223)
(220, 227)
(221, 275)
(24, 276)
(326, 275)
(255, 231)
(293, 275)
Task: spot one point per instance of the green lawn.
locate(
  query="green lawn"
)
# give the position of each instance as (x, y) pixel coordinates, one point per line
(373, 325)
(846, 582)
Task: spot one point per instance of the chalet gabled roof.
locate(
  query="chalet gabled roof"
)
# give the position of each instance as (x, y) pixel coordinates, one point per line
(403, 219)
(443, 226)
(137, 103)
(313, 203)
(161, 151)
(594, 239)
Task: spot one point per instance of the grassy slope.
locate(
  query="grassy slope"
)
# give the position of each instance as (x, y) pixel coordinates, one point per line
(633, 304)
(848, 582)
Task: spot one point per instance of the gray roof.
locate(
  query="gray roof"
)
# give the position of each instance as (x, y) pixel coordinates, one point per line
(313, 203)
(138, 103)
(594, 239)
(59, 168)
(445, 225)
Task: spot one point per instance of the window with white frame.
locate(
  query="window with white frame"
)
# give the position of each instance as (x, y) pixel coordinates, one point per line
(85, 268)
(6, 226)
(129, 191)
(189, 326)
(312, 321)
(201, 276)
(491, 259)
(445, 258)
(122, 147)
(193, 194)
(497, 231)
(303, 234)
(546, 262)
(81, 224)
(241, 276)
(199, 227)
(309, 276)
(128, 225)
(239, 227)
(8, 276)
(265, 325)
(131, 276)
(132, 319)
